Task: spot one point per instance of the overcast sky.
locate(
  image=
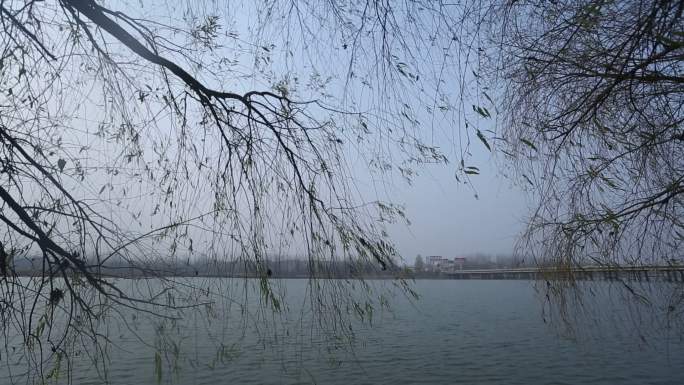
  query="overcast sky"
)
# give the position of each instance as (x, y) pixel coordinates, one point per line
(446, 216)
(447, 219)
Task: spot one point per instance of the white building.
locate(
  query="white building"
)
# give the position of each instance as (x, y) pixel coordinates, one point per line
(441, 264)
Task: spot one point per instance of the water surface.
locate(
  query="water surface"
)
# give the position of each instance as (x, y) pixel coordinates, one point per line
(459, 332)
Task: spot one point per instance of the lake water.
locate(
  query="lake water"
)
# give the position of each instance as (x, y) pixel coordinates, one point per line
(458, 332)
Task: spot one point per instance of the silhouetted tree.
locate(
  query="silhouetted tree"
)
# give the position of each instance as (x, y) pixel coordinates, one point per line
(591, 113)
(138, 137)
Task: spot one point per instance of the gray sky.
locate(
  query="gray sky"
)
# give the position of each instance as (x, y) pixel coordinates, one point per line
(447, 219)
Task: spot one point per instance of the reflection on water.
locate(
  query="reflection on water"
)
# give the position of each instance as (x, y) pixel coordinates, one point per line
(484, 332)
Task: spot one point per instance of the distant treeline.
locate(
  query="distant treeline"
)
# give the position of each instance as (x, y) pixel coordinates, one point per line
(214, 267)
(272, 268)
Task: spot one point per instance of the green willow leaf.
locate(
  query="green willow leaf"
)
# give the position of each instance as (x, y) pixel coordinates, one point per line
(482, 138)
(530, 144)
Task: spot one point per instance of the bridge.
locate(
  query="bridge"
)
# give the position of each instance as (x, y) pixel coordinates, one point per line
(589, 273)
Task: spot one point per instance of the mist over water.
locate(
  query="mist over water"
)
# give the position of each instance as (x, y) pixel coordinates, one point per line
(485, 332)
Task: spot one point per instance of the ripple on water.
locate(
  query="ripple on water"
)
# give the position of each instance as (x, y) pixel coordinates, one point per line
(460, 332)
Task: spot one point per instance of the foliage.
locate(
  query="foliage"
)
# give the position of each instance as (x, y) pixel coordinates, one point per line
(591, 118)
(151, 132)
(147, 133)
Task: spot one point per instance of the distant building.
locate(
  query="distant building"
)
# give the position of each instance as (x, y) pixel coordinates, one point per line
(434, 260)
(438, 263)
